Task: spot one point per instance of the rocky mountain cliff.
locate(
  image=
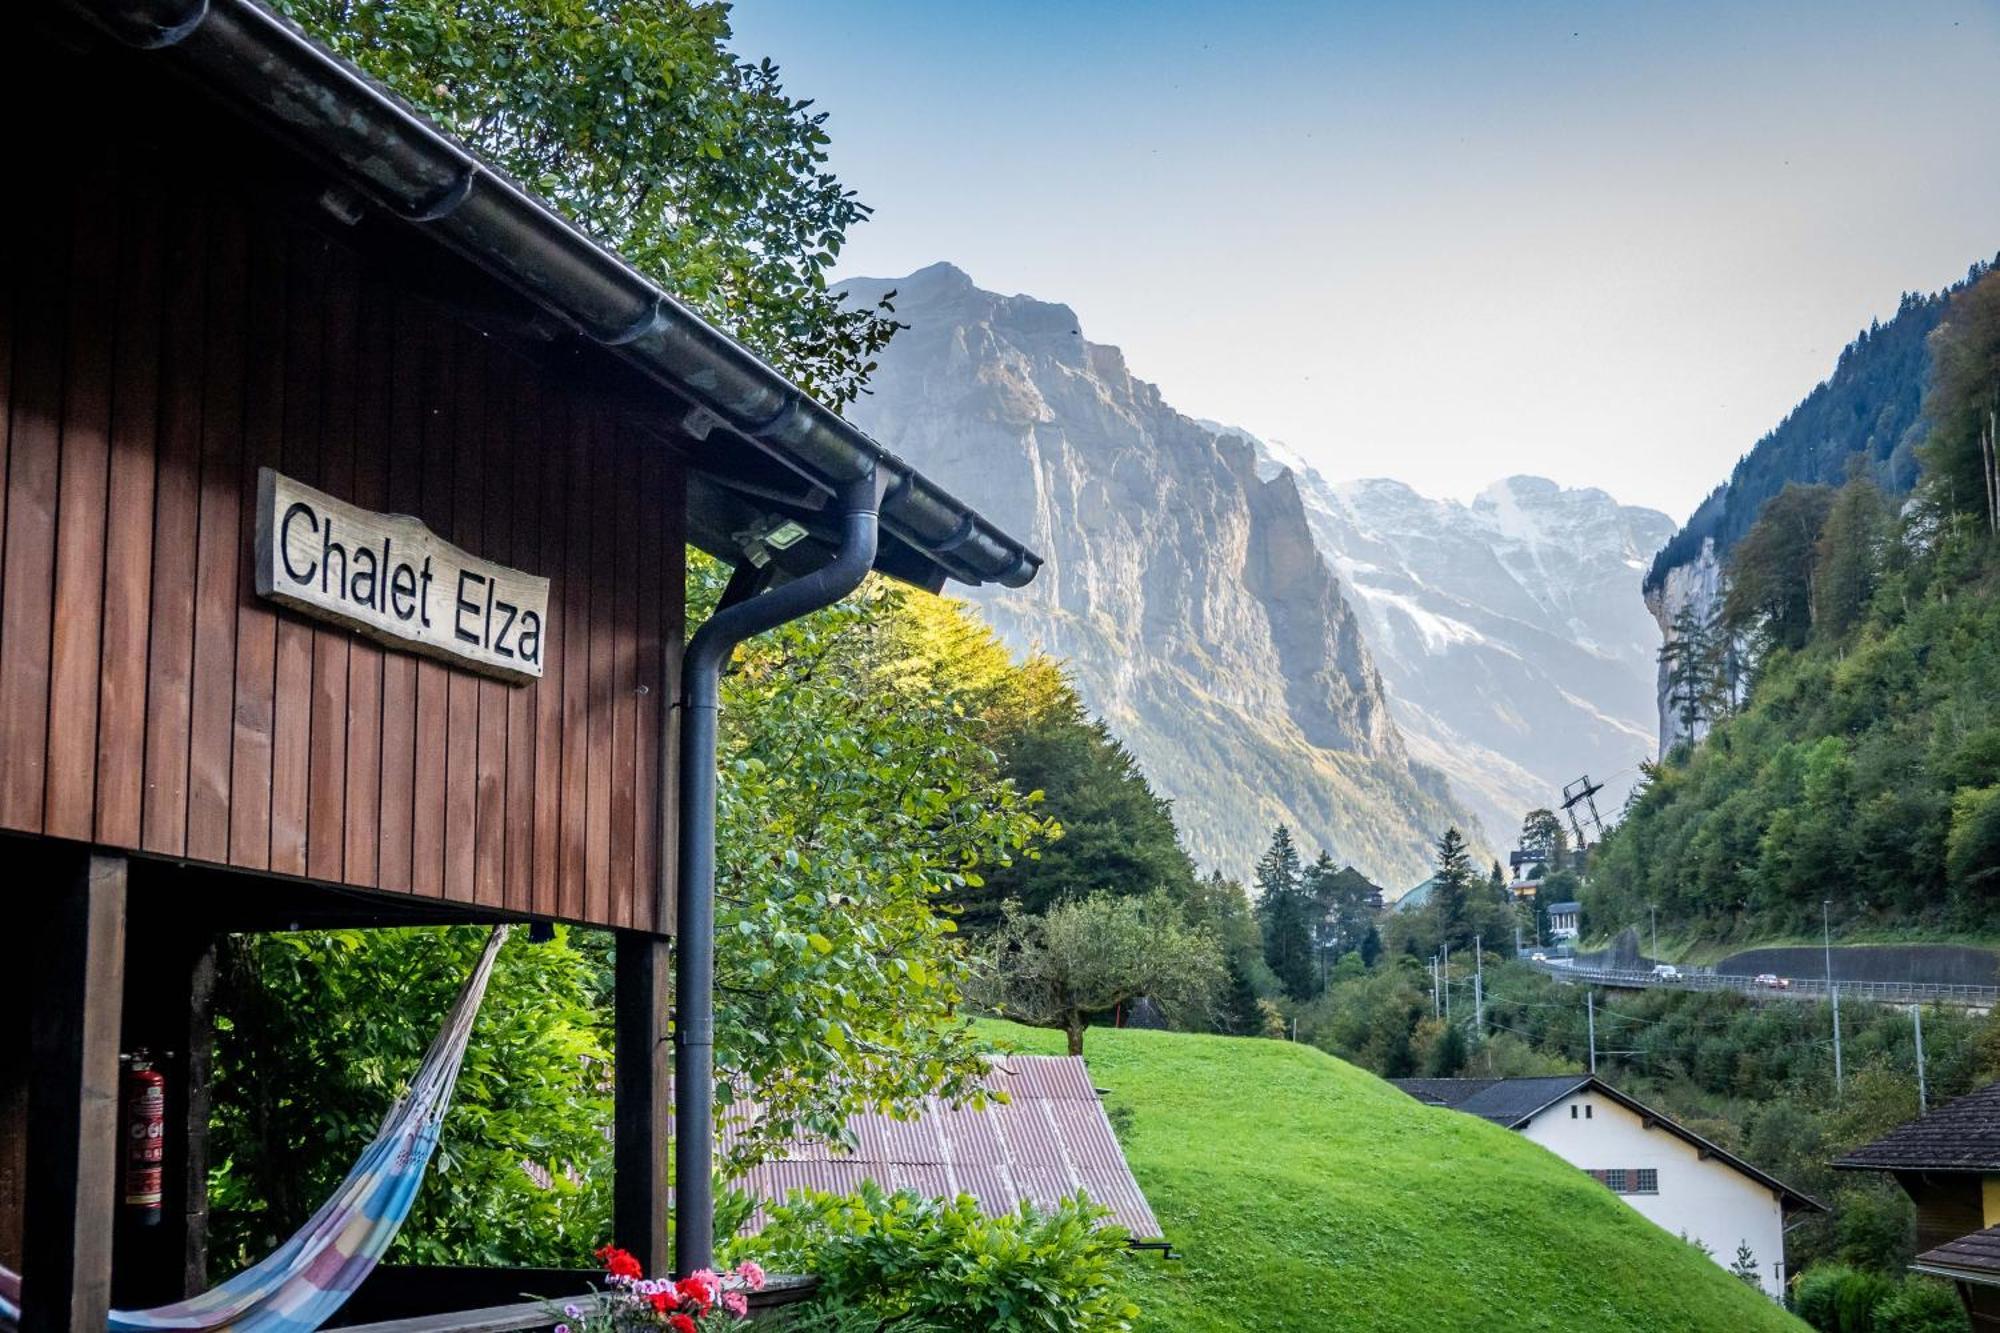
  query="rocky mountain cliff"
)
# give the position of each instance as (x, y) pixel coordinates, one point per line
(1184, 589)
(1516, 655)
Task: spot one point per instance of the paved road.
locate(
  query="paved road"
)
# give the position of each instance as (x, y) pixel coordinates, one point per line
(1802, 988)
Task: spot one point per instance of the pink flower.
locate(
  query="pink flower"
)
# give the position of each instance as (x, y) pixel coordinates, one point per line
(752, 1274)
(736, 1303)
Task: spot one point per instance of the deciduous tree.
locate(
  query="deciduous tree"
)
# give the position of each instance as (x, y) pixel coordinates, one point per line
(1770, 598)
(1090, 955)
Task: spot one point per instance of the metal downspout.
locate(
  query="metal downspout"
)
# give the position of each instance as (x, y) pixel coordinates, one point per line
(694, 948)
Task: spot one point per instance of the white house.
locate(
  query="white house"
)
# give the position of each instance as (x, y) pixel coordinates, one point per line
(1669, 1173)
(1564, 919)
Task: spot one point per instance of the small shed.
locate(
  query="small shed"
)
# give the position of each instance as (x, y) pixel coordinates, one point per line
(1051, 1139)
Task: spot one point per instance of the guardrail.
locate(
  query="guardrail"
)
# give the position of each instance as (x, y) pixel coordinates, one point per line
(1882, 992)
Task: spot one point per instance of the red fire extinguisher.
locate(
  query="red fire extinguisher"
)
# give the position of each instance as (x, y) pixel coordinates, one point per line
(145, 1138)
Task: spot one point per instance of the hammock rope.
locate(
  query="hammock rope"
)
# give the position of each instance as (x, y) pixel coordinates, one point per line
(303, 1282)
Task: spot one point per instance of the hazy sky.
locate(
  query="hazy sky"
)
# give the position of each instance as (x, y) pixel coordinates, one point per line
(1610, 244)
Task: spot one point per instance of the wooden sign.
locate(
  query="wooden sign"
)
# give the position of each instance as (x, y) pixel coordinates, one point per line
(393, 579)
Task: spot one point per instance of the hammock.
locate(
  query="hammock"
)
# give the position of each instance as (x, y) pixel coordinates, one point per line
(300, 1285)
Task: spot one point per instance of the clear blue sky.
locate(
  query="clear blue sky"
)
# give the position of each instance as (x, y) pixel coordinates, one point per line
(1610, 244)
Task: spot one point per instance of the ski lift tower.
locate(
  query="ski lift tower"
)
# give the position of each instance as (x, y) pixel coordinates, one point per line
(1583, 793)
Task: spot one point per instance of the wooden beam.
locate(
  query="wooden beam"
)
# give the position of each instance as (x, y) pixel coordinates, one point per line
(639, 1148)
(79, 960)
(194, 1103)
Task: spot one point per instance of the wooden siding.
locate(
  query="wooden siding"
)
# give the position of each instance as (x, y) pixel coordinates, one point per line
(157, 345)
(1948, 1206)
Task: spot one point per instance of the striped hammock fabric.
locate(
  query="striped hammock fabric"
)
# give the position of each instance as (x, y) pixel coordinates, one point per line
(305, 1280)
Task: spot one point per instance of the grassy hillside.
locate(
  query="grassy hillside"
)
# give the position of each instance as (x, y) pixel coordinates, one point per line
(1307, 1196)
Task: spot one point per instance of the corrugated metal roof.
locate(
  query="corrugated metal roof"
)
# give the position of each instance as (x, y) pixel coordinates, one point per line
(1049, 1141)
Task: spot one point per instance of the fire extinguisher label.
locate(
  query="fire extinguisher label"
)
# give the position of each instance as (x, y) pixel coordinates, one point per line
(145, 1140)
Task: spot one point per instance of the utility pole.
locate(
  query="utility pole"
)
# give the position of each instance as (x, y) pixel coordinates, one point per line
(1478, 988)
(1590, 1014)
(1653, 911)
(1436, 1009)
(1447, 986)
(1917, 1019)
(1826, 945)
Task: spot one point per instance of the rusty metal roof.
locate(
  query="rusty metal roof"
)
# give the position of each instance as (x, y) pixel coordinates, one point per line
(1049, 1141)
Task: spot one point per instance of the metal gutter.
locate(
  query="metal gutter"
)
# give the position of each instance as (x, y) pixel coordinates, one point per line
(738, 617)
(418, 173)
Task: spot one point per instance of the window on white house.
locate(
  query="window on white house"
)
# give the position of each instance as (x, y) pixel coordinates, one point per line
(1629, 1180)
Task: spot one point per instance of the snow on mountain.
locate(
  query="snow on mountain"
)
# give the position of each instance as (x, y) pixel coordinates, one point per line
(1514, 650)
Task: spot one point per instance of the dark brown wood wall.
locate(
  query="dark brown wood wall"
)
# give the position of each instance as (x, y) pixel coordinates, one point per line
(1948, 1206)
(157, 345)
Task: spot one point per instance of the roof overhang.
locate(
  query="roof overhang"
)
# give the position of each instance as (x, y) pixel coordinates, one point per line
(762, 452)
(1788, 1197)
(1984, 1277)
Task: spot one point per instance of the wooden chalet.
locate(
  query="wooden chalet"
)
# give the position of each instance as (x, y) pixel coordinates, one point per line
(1948, 1162)
(252, 309)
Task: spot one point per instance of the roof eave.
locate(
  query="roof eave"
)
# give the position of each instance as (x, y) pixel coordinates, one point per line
(414, 171)
(1984, 1277)
(1686, 1135)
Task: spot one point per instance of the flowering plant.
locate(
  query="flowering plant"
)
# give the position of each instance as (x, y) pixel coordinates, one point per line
(630, 1302)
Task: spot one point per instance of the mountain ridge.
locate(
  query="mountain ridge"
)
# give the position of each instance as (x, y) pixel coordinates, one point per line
(1515, 652)
(1184, 589)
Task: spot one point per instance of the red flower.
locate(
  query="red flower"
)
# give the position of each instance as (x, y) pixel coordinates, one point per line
(697, 1291)
(619, 1263)
(680, 1323)
(662, 1301)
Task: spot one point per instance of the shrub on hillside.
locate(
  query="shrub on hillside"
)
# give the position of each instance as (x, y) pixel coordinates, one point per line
(1921, 1305)
(1835, 1298)
(913, 1261)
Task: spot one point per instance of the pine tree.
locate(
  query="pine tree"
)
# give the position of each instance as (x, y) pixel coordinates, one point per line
(1284, 911)
(1450, 890)
(1745, 1266)
(1241, 1015)
(1689, 656)
(1371, 945)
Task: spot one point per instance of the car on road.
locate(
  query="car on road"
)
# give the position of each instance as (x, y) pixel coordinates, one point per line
(1538, 958)
(1771, 981)
(1666, 972)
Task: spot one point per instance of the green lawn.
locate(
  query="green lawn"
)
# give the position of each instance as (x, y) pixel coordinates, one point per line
(1306, 1196)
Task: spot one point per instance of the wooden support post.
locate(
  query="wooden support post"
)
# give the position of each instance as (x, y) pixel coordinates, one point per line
(169, 1013)
(71, 1203)
(188, 1181)
(645, 1063)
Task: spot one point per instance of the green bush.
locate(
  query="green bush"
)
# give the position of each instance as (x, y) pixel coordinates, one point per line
(923, 1262)
(1921, 1305)
(1835, 1298)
